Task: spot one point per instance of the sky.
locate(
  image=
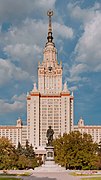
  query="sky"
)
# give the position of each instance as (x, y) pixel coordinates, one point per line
(76, 28)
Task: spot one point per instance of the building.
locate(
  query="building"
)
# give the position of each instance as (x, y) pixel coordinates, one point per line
(49, 104)
(94, 131)
(16, 133)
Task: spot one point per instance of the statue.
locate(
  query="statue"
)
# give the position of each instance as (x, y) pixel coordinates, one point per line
(49, 135)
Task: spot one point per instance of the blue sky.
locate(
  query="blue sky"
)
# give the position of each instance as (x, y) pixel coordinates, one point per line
(77, 36)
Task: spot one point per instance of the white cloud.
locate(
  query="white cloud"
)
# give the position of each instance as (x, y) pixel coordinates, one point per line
(9, 71)
(18, 51)
(25, 55)
(87, 54)
(73, 88)
(16, 104)
(74, 73)
(63, 31)
(46, 4)
(88, 49)
(6, 107)
(20, 98)
(78, 69)
(25, 42)
(12, 10)
(82, 14)
(34, 32)
(27, 33)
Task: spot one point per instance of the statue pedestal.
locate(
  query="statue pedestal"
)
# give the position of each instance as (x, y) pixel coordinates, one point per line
(49, 165)
(49, 153)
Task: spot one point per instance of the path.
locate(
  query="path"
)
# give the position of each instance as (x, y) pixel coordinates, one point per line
(51, 176)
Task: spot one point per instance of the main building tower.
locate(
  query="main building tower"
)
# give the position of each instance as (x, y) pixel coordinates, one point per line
(50, 104)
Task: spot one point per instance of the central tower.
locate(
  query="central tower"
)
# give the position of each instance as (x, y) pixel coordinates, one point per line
(49, 104)
(50, 72)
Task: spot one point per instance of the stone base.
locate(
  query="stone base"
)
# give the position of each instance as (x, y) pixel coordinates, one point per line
(50, 166)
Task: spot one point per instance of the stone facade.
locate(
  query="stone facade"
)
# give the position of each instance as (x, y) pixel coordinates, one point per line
(50, 104)
(94, 131)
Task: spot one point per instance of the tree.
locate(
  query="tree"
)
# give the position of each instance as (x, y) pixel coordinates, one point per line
(20, 158)
(31, 152)
(23, 162)
(20, 149)
(98, 162)
(28, 150)
(8, 155)
(29, 156)
(75, 151)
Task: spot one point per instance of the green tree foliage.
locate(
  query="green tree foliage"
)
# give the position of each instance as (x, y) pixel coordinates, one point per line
(75, 151)
(28, 150)
(20, 149)
(20, 158)
(8, 155)
(98, 163)
(27, 157)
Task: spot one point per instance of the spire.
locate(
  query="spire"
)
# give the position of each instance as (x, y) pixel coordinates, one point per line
(65, 87)
(50, 13)
(50, 37)
(72, 94)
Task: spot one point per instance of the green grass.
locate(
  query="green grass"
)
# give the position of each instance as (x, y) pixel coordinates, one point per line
(93, 178)
(23, 174)
(80, 174)
(9, 178)
(8, 174)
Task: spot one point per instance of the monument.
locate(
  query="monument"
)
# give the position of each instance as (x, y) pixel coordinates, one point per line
(49, 148)
(49, 164)
(49, 135)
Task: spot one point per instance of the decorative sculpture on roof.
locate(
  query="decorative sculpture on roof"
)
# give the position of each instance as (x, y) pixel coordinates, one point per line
(65, 87)
(34, 87)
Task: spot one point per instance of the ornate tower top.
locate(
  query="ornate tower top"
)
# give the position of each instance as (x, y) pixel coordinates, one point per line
(50, 71)
(50, 13)
(50, 38)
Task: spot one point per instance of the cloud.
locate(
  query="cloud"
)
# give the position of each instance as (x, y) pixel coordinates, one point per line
(9, 72)
(74, 73)
(24, 43)
(29, 33)
(20, 98)
(21, 50)
(16, 104)
(25, 55)
(12, 10)
(78, 69)
(73, 88)
(87, 52)
(83, 14)
(63, 31)
(6, 107)
(88, 48)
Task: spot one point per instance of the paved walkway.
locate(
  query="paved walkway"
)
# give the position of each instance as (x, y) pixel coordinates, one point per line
(54, 176)
(51, 176)
(46, 175)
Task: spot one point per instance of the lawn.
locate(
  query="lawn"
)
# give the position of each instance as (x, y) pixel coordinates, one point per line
(92, 178)
(80, 174)
(9, 178)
